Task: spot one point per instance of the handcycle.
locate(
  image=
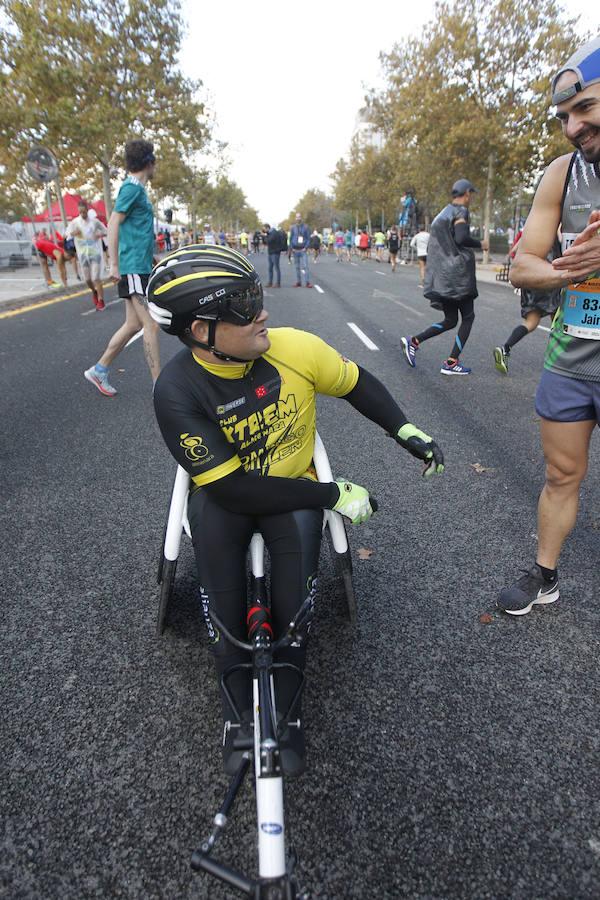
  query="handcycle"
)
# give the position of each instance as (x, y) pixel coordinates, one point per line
(276, 863)
(178, 524)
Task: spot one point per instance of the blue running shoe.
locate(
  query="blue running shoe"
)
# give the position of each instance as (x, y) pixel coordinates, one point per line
(410, 351)
(455, 369)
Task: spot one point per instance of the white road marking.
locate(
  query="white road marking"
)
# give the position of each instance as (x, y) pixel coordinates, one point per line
(377, 293)
(135, 337)
(409, 309)
(377, 272)
(353, 264)
(360, 334)
(319, 289)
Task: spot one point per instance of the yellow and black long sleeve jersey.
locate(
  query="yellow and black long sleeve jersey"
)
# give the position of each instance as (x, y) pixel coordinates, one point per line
(258, 417)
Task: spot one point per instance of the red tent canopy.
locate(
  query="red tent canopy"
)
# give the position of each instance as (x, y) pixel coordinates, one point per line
(71, 202)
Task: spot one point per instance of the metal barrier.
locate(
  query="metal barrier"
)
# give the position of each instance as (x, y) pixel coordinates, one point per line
(407, 254)
(17, 254)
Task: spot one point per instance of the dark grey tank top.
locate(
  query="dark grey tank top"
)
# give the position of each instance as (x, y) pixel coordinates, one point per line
(574, 344)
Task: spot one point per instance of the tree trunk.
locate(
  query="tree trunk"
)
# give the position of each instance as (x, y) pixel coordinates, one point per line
(61, 203)
(487, 213)
(369, 229)
(106, 188)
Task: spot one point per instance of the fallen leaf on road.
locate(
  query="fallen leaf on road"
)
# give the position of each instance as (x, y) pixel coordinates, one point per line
(120, 370)
(481, 470)
(364, 553)
(486, 618)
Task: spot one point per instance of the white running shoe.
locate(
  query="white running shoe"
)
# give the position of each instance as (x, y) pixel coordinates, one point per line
(100, 379)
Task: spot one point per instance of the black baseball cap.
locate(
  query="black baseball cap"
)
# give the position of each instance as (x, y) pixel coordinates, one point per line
(461, 187)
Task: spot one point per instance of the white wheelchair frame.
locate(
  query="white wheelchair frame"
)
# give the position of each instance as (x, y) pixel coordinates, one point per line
(178, 523)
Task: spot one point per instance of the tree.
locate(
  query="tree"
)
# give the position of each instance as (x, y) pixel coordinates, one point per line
(83, 76)
(469, 98)
(367, 186)
(317, 208)
(224, 204)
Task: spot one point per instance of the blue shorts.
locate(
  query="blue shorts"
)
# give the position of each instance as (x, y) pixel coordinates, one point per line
(562, 399)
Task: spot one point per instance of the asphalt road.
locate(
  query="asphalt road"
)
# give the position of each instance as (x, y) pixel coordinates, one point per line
(447, 758)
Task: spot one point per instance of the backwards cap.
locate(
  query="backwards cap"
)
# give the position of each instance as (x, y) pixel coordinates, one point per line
(585, 62)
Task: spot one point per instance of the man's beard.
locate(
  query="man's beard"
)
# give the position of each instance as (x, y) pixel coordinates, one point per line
(589, 153)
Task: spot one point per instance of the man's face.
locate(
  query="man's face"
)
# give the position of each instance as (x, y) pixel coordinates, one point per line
(243, 341)
(298, 219)
(150, 169)
(83, 210)
(464, 199)
(580, 117)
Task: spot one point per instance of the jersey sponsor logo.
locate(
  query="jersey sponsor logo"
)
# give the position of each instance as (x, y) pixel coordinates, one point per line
(193, 446)
(221, 410)
(268, 387)
(273, 417)
(209, 297)
(580, 207)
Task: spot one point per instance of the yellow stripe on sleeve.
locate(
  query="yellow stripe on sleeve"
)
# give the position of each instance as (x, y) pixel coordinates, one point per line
(226, 468)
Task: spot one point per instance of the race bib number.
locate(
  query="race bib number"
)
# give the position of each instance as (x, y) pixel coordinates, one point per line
(300, 239)
(582, 310)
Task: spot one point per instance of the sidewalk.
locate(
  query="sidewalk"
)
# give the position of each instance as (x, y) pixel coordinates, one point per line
(19, 288)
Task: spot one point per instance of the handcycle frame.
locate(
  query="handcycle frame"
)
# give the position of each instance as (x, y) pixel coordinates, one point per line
(177, 523)
(276, 878)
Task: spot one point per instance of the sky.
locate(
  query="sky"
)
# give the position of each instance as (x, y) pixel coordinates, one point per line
(286, 81)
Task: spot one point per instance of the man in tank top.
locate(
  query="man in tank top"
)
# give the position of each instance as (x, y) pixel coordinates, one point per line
(568, 396)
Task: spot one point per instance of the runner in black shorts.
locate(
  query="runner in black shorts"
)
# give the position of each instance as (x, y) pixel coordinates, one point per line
(535, 304)
(131, 246)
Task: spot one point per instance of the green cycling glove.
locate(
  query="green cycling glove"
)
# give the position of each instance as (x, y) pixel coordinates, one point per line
(354, 502)
(423, 447)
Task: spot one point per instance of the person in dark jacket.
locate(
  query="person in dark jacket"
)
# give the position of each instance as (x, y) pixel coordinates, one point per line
(450, 282)
(274, 248)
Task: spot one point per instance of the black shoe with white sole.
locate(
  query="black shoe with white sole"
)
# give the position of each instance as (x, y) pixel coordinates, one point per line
(530, 589)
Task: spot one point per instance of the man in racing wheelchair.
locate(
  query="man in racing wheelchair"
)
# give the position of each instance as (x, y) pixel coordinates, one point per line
(237, 410)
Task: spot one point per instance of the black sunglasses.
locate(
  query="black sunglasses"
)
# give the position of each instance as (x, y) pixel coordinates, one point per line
(240, 308)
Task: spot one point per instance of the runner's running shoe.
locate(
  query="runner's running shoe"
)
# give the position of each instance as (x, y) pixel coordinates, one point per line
(410, 351)
(308, 284)
(455, 369)
(531, 588)
(100, 304)
(100, 379)
(501, 360)
(54, 285)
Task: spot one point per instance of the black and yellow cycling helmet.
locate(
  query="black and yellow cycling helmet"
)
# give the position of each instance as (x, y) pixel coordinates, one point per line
(203, 281)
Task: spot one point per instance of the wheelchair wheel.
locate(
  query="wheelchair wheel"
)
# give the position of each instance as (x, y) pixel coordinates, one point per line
(344, 587)
(168, 569)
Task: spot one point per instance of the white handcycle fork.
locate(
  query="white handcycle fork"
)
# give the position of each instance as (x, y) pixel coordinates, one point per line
(269, 807)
